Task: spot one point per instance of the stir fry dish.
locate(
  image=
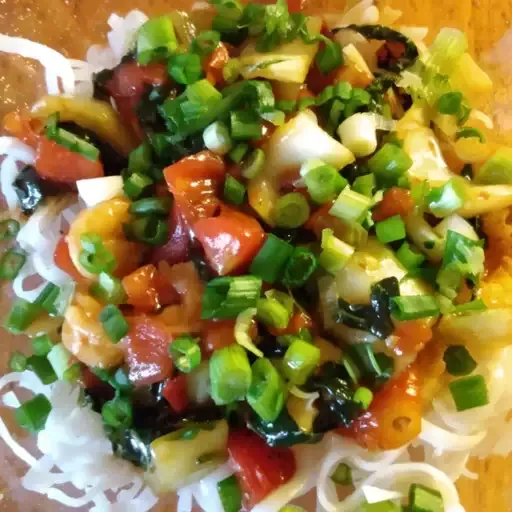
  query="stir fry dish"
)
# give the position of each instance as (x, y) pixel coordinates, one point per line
(258, 252)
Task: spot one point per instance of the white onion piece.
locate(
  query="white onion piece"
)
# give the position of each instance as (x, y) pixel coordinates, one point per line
(122, 36)
(417, 34)
(205, 492)
(444, 440)
(52, 82)
(185, 500)
(97, 190)
(49, 58)
(376, 494)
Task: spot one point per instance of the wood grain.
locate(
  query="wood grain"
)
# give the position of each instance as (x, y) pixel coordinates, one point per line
(72, 26)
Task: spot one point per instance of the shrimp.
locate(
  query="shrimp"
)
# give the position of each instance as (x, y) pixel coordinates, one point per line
(84, 337)
(106, 219)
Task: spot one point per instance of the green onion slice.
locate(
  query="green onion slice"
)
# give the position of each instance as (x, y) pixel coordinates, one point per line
(413, 307)
(230, 494)
(469, 392)
(299, 362)
(291, 211)
(11, 263)
(118, 412)
(300, 267)
(234, 191)
(185, 353)
(32, 415)
(270, 261)
(390, 229)
(458, 361)
(114, 324)
(9, 228)
(242, 328)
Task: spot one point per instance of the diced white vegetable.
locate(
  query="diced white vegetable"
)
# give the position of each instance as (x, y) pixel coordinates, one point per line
(289, 62)
(455, 223)
(358, 133)
(421, 233)
(301, 140)
(198, 384)
(370, 265)
(97, 190)
(484, 199)
(177, 461)
(217, 139)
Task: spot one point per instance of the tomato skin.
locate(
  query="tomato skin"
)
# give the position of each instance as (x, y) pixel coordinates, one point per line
(62, 259)
(60, 165)
(214, 64)
(216, 335)
(396, 201)
(127, 86)
(175, 391)
(412, 336)
(259, 468)
(176, 250)
(298, 321)
(230, 241)
(394, 416)
(141, 288)
(146, 346)
(195, 182)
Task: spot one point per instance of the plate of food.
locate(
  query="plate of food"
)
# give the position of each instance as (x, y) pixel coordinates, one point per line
(255, 257)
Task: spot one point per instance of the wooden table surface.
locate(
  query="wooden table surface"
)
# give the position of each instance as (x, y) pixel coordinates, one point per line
(73, 25)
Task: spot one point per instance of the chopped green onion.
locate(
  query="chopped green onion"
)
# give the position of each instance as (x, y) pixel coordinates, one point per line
(382, 506)
(203, 93)
(282, 297)
(253, 164)
(321, 183)
(299, 268)
(365, 185)
(272, 313)
(205, 43)
(243, 326)
(42, 344)
(389, 164)
(20, 317)
(18, 362)
(335, 253)
(231, 71)
(468, 132)
(363, 396)
(245, 125)
(60, 359)
(230, 375)
(185, 68)
(136, 184)
(73, 373)
(409, 256)
(445, 200)
(350, 206)
(139, 160)
(156, 40)
(118, 412)
(75, 144)
(11, 263)
(185, 353)
(238, 152)
(413, 307)
(300, 361)
(227, 297)
(148, 230)
(471, 306)
(216, 138)
(47, 298)
(287, 106)
(266, 394)
(469, 392)
(271, 259)
(342, 475)
(450, 103)
(150, 206)
(390, 229)
(497, 170)
(109, 289)
(367, 361)
(458, 361)
(425, 499)
(32, 415)
(114, 323)
(230, 494)
(234, 191)
(42, 368)
(352, 369)
(95, 258)
(291, 211)
(9, 228)
(330, 57)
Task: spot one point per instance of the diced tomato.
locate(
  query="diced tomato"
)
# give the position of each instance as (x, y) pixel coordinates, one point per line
(396, 201)
(318, 81)
(322, 219)
(175, 391)
(62, 259)
(146, 345)
(141, 288)
(299, 320)
(394, 416)
(230, 241)
(94, 385)
(186, 317)
(59, 164)
(412, 336)
(214, 64)
(23, 127)
(259, 468)
(127, 86)
(177, 248)
(195, 182)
